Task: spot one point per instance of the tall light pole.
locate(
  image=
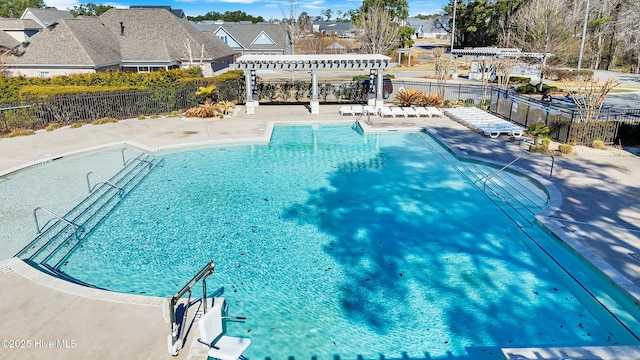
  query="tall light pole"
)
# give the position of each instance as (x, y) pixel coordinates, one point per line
(584, 34)
(453, 36)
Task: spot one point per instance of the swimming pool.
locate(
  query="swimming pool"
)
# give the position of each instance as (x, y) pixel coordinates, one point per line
(335, 244)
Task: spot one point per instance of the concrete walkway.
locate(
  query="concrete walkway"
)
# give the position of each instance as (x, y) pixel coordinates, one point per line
(598, 212)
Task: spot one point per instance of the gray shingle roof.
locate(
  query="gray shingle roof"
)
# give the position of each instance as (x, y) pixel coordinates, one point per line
(70, 42)
(46, 17)
(7, 41)
(245, 34)
(151, 26)
(150, 36)
(18, 24)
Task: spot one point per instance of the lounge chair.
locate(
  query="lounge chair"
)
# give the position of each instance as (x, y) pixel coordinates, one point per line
(345, 110)
(369, 110)
(434, 111)
(211, 329)
(409, 111)
(422, 111)
(386, 111)
(396, 111)
(357, 109)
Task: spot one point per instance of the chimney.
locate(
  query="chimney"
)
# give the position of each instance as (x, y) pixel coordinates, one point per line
(121, 28)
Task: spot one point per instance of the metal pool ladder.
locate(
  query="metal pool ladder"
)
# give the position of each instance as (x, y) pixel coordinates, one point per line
(39, 230)
(176, 338)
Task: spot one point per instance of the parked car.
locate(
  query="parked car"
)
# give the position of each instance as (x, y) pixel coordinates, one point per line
(387, 87)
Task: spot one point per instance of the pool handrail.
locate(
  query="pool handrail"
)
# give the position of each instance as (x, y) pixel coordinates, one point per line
(105, 181)
(39, 230)
(173, 342)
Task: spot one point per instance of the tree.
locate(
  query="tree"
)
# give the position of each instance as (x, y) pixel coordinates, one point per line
(89, 9)
(15, 8)
(290, 27)
(229, 16)
(376, 32)
(441, 66)
(398, 9)
(588, 93)
(546, 26)
(503, 68)
(327, 14)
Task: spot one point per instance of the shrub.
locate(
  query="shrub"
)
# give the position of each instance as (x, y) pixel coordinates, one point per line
(142, 117)
(565, 149)
(155, 116)
(20, 132)
(546, 142)
(76, 125)
(203, 111)
(105, 120)
(431, 99)
(519, 80)
(53, 126)
(225, 107)
(408, 97)
(538, 148)
(597, 144)
(560, 74)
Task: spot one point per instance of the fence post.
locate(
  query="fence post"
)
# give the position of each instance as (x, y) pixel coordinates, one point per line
(459, 90)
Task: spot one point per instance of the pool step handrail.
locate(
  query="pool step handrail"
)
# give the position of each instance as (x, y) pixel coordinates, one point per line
(54, 236)
(39, 230)
(143, 157)
(104, 181)
(484, 182)
(174, 341)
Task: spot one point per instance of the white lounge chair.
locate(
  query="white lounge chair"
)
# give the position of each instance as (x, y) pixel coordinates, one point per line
(345, 110)
(369, 110)
(422, 111)
(409, 111)
(396, 111)
(211, 329)
(386, 111)
(357, 109)
(434, 111)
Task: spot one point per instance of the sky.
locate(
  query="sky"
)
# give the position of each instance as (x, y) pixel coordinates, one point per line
(268, 9)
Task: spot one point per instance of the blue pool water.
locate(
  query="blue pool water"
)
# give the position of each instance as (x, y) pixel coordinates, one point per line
(336, 244)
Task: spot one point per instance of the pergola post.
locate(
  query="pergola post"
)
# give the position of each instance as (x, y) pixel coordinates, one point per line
(248, 83)
(379, 101)
(310, 63)
(315, 104)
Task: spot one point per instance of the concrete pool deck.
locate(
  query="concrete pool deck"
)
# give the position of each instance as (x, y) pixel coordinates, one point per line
(599, 212)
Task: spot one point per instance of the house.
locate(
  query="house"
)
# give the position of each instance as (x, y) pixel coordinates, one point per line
(19, 29)
(248, 38)
(343, 29)
(7, 42)
(427, 28)
(45, 17)
(135, 40)
(30, 23)
(177, 12)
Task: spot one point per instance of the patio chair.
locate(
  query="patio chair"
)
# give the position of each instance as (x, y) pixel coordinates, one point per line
(422, 111)
(357, 109)
(386, 111)
(345, 110)
(211, 334)
(409, 111)
(396, 111)
(368, 109)
(434, 111)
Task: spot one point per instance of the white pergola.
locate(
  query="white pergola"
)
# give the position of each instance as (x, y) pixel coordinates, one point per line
(251, 64)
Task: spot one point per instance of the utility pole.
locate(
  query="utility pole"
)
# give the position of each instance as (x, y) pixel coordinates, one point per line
(584, 34)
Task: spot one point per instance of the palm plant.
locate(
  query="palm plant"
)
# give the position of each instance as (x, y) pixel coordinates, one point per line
(408, 97)
(430, 99)
(225, 106)
(537, 130)
(202, 111)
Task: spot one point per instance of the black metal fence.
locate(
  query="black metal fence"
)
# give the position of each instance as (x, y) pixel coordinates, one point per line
(613, 126)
